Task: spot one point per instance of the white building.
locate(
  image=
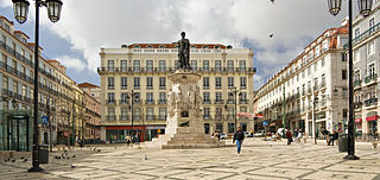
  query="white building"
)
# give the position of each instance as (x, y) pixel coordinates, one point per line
(366, 46)
(314, 84)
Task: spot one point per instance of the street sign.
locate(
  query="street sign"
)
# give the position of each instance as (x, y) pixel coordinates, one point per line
(45, 120)
(265, 123)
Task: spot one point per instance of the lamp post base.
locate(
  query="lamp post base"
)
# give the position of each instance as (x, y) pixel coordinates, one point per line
(351, 157)
(35, 169)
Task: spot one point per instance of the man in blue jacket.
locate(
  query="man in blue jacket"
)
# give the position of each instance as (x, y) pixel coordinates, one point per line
(238, 137)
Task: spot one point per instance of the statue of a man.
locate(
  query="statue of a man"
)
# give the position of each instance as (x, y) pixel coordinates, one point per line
(183, 52)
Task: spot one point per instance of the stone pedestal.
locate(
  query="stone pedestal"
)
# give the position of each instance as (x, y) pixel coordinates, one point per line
(184, 127)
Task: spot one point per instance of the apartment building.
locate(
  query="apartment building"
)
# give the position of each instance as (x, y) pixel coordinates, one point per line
(92, 112)
(135, 86)
(312, 86)
(366, 48)
(16, 84)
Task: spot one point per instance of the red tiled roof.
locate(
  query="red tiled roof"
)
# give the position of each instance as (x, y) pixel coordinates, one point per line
(20, 32)
(87, 85)
(3, 17)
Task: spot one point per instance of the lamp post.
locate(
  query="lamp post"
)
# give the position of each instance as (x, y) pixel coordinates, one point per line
(235, 91)
(132, 95)
(315, 99)
(365, 7)
(21, 9)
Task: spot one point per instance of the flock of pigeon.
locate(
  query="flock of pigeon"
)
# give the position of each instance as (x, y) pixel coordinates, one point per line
(63, 156)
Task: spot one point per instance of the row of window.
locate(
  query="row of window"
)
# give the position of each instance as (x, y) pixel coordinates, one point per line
(162, 64)
(162, 82)
(125, 97)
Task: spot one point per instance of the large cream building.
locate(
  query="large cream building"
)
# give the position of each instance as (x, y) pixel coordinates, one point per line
(143, 70)
(312, 86)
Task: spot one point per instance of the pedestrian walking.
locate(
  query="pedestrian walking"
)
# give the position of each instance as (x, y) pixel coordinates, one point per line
(334, 136)
(239, 138)
(289, 136)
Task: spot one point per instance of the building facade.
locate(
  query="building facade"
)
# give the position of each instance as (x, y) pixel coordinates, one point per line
(134, 87)
(366, 48)
(313, 86)
(92, 112)
(16, 83)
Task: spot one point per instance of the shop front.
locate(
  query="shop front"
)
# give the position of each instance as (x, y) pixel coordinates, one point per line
(372, 119)
(154, 131)
(117, 134)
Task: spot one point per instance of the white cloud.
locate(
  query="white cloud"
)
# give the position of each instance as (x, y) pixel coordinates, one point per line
(5, 3)
(90, 24)
(72, 63)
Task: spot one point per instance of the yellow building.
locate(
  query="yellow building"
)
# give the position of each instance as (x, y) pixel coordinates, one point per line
(142, 69)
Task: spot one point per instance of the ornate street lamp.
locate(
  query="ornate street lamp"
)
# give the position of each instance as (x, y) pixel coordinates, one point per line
(334, 6)
(21, 10)
(364, 8)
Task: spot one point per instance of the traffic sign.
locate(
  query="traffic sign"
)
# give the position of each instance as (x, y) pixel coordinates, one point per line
(45, 119)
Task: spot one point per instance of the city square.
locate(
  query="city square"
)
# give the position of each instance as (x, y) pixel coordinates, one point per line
(194, 89)
(259, 160)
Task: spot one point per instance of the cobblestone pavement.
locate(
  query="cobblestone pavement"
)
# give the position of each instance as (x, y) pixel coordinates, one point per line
(259, 160)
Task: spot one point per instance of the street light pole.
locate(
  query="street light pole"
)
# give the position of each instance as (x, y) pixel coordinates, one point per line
(365, 7)
(21, 8)
(235, 91)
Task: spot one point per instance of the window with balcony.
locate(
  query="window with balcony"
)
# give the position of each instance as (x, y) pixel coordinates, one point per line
(371, 48)
(218, 113)
(111, 98)
(136, 114)
(110, 65)
(230, 82)
(243, 98)
(206, 113)
(124, 65)
(111, 83)
(111, 114)
(357, 32)
(242, 65)
(162, 82)
(136, 65)
(149, 82)
(206, 65)
(124, 82)
(162, 65)
(230, 65)
(136, 82)
(218, 82)
(149, 98)
(218, 97)
(123, 114)
(243, 82)
(323, 82)
(206, 82)
(371, 25)
(194, 64)
(206, 97)
(162, 113)
(149, 65)
(149, 113)
(218, 65)
(124, 98)
(162, 98)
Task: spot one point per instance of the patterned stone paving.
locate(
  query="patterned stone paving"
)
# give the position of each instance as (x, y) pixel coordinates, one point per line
(259, 160)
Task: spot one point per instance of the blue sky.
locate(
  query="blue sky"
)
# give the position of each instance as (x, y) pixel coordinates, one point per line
(76, 39)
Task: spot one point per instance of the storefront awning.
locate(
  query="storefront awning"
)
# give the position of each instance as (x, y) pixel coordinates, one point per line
(358, 120)
(372, 118)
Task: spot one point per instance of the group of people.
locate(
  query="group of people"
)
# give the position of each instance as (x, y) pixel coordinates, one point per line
(296, 135)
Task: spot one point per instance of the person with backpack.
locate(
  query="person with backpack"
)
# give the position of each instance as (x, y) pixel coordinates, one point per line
(239, 138)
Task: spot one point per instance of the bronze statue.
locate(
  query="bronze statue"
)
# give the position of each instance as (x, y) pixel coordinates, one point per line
(183, 52)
